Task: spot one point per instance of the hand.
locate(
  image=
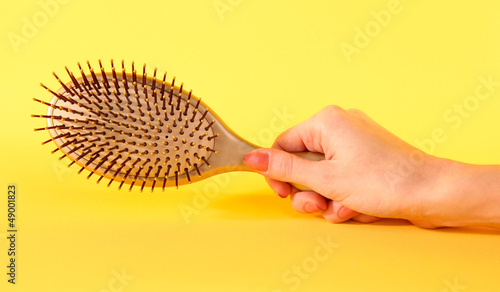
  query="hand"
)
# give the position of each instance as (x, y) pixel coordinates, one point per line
(368, 173)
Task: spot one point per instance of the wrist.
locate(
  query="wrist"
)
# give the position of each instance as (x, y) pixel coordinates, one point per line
(464, 195)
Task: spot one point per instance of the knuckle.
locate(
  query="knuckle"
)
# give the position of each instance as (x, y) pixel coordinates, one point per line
(356, 111)
(333, 108)
(359, 114)
(332, 114)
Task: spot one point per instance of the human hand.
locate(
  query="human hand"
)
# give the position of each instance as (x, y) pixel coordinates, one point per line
(367, 173)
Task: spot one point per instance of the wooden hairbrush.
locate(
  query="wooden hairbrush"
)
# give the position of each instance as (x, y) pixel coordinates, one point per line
(139, 130)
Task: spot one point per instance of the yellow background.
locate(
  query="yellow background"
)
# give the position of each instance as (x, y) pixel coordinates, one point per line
(251, 61)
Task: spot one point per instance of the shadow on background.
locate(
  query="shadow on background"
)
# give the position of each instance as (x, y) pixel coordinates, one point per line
(254, 207)
(269, 206)
(469, 230)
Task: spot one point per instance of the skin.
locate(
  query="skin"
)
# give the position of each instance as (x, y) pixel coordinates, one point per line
(369, 173)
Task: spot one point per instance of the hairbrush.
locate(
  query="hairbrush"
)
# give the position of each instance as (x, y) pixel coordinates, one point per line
(140, 130)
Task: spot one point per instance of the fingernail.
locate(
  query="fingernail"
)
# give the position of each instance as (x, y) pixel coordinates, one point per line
(257, 160)
(322, 207)
(344, 212)
(311, 207)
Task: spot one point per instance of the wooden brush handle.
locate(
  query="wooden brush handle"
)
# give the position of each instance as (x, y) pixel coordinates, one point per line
(314, 156)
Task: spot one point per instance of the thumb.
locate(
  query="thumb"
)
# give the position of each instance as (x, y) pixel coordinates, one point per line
(287, 167)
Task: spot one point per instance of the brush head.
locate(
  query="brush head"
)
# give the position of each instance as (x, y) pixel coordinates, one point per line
(130, 128)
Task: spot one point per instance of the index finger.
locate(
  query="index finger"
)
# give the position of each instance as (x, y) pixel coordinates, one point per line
(304, 136)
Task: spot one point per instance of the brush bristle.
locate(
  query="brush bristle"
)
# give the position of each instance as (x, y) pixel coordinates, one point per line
(129, 128)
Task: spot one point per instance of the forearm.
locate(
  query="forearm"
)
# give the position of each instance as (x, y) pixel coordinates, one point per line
(467, 195)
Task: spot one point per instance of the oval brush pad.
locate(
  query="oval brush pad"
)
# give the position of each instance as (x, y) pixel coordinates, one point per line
(140, 130)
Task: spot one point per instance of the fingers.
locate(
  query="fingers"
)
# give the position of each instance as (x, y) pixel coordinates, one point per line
(321, 133)
(363, 218)
(310, 135)
(313, 135)
(287, 167)
(281, 189)
(336, 212)
(424, 224)
(311, 202)
(308, 202)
